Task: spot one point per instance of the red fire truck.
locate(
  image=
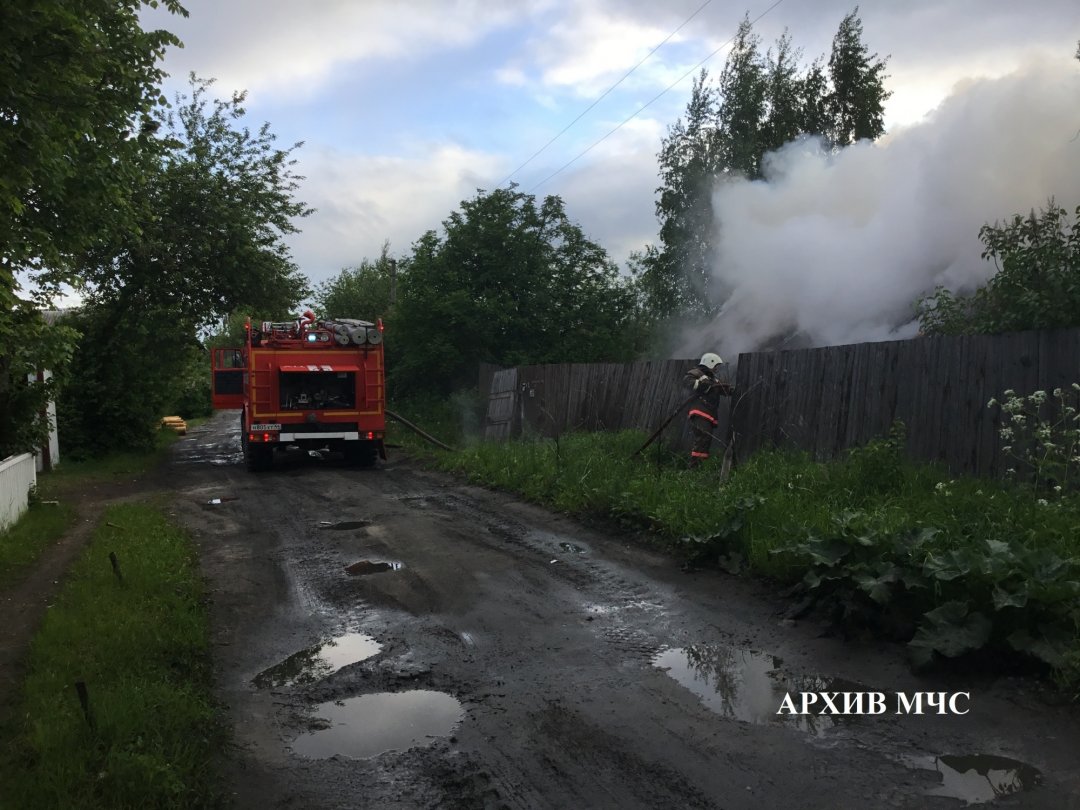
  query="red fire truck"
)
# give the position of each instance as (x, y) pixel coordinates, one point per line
(315, 384)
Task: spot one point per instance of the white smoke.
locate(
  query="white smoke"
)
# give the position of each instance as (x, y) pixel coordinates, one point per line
(837, 247)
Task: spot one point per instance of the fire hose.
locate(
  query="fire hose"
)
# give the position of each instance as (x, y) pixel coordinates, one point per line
(417, 430)
(725, 468)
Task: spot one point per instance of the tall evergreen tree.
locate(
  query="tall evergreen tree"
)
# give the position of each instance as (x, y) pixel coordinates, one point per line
(676, 280)
(857, 100)
(758, 104)
(785, 96)
(740, 120)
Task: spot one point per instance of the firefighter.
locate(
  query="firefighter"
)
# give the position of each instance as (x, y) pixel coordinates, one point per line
(708, 388)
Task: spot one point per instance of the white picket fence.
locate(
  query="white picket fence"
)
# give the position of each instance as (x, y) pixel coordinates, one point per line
(17, 475)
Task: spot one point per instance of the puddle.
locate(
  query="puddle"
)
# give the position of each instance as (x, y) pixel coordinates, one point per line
(344, 525)
(318, 661)
(369, 725)
(365, 567)
(571, 548)
(978, 778)
(746, 684)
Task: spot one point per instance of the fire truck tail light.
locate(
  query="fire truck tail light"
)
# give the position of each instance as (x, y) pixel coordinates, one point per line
(266, 437)
(251, 437)
(371, 435)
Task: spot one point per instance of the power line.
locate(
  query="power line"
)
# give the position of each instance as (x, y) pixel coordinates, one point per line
(648, 103)
(601, 98)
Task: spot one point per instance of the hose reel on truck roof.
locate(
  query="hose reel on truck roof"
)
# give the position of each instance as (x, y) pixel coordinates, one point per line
(350, 331)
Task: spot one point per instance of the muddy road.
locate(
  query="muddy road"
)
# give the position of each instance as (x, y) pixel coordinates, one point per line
(393, 638)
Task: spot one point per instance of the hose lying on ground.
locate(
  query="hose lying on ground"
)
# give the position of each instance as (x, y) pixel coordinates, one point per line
(417, 430)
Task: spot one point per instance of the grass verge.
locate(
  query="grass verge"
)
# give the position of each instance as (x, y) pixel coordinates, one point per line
(140, 644)
(41, 526)
(71, 473)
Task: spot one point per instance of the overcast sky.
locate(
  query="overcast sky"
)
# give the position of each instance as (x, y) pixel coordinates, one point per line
(406, 107)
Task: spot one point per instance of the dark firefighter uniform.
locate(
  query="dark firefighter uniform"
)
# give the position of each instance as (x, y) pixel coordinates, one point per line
(702, 408)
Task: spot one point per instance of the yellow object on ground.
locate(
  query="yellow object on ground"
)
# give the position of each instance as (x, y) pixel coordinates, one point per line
(175, 424)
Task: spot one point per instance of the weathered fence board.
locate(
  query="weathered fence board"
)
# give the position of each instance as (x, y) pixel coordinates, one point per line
(502, 405)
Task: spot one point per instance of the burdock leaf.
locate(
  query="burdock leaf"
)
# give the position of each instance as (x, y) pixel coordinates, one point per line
(1051, 648)
(1004, 599)
(952, 631)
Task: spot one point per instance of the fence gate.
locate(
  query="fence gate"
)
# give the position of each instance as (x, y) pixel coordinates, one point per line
(502, 405)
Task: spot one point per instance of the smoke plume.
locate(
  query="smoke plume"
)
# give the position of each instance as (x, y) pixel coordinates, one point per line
(835, 248)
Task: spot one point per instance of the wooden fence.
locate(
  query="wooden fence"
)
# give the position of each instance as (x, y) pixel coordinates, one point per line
(548, 400)
(826, 400)
(819, 400)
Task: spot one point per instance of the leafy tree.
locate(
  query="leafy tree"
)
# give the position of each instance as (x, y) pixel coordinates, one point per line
(128, 364)
(857, 100)
(363, 292)
(211, 244)
(78, 97)
(78, 92)
(508, 282)
(34, 345)
(1037, 284)
(217, 211)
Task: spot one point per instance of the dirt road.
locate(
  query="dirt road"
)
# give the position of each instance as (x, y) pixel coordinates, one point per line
(392, 638)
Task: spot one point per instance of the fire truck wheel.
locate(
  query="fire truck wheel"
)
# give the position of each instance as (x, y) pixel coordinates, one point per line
(360, 454)
(258, 457)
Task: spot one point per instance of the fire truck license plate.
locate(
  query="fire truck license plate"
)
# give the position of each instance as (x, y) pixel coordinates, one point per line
(267, 426)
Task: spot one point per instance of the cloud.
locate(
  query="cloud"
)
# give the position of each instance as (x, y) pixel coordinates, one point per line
(838, 247)
(281, 47)
(364, 200)
(612, 196)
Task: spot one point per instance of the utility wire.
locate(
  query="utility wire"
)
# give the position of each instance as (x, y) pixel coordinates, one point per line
(601, 98)
(647, 104)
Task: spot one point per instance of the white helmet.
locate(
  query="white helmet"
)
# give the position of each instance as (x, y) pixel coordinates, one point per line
(710, 360)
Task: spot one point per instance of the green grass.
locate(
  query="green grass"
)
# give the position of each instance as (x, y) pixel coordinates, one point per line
(141, 646)
(71, 473)
(896, 548)
(51, 513)
(39, 527)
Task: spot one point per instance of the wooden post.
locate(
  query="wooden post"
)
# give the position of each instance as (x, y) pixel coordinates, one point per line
(84, 701)
(116, 566)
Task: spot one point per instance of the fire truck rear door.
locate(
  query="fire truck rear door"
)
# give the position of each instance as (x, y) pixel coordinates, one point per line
(228, 378)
